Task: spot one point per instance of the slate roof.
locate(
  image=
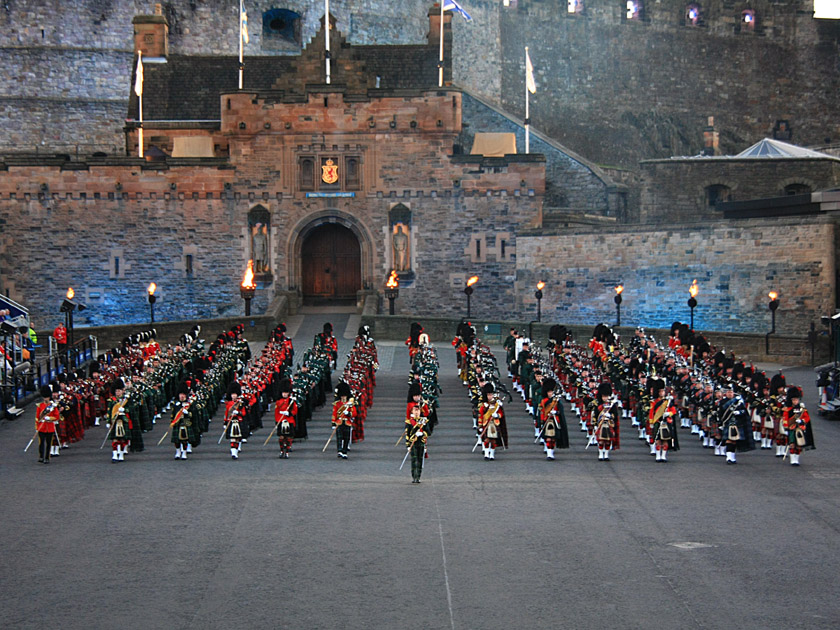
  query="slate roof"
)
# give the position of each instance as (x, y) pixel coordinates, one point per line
(188, 87)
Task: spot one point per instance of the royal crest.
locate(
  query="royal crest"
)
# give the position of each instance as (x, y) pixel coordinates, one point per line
(329, 172)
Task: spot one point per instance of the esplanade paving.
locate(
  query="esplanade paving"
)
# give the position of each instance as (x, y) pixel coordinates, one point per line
(318, 542)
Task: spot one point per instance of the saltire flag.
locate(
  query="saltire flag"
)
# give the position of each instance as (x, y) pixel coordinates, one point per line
(451, 5)
(138, 80)
(529, 74)
(243, 25)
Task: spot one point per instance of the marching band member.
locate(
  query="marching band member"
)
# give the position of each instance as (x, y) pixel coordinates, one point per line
(184, 430)
(553, 429)
(797, 424)
(491, 422)
(343, 417)
(415, 439)
(47, 416)
(607, 422)
(118, 421)
(662, 414)
(285, 418)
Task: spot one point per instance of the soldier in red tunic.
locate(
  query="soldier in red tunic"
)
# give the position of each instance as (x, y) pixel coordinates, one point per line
(552, 429)
(47, 416)
(327, 341)
(235, 421)
(343, 418)
(285, 418)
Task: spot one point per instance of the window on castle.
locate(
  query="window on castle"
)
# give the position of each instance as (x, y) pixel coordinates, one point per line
(575, 6)
(634, 10)
(693, 14)
(352, 173)
(797, 189)
(717, 193)
(748, 20)
(307, 173)
(281, 29)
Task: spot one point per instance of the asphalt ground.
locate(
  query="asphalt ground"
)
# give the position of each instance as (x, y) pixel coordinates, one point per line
(317, 542)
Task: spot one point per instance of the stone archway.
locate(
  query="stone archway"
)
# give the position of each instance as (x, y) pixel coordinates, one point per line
(331, 257)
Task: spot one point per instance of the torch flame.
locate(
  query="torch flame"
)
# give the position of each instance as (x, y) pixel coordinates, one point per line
(773, 295)
(540, 285)
(70, 293)
(693, 289)
(152, 288)
(472, 281)
(393, 280)
(619, 289)
(248, 280)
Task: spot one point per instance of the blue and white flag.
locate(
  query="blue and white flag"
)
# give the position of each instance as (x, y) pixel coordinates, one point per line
(451, 5)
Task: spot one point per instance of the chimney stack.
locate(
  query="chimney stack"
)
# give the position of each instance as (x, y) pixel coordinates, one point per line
(151, 34)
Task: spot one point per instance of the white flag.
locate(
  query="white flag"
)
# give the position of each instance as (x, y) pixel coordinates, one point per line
(243, 26)
(529, 74)
(138, 80)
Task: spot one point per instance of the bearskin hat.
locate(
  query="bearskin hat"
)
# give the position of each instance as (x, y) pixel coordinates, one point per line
(656, 385)
(604, 389)
(94, 367)
(285, 386)
(777, 382)
(183, 388)
(328, 328)
(342, 389)
(415, 389)
(116, 384)
(548, 385)
(235, 388)
(488, 388)
(793, 392)
(46, 391)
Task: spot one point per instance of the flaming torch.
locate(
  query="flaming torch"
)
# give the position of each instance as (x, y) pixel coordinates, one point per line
(152, 299)
(539, 295)
(693, 290)
(248, 288)
(469, 291)
(392, 290)
(773, 305)
(618, 291)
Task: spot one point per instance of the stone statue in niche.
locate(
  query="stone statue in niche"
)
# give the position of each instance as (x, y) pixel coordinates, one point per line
(259, 231)
(399, 242)
(399, 226)
(259, 241)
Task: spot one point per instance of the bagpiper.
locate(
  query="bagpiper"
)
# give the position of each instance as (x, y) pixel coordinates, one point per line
(797, 424)
(285, 418)
(662, 414)
(184, 431)
(552, 430)
(118, 421)
(607, 422)
(491, 422)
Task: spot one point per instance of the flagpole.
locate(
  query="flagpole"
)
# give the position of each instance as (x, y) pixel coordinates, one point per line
(140, 97)
(327, 31)
(527, 107)
(241, 58)
(440, 66)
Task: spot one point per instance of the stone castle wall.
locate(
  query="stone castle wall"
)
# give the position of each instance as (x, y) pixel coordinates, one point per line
(735, 265)
(618, 91)
(613, 90)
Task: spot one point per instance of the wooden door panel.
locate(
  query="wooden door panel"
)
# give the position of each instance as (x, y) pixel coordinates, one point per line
(331, 263)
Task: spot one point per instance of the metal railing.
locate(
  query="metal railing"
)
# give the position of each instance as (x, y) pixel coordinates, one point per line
(20, 382)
